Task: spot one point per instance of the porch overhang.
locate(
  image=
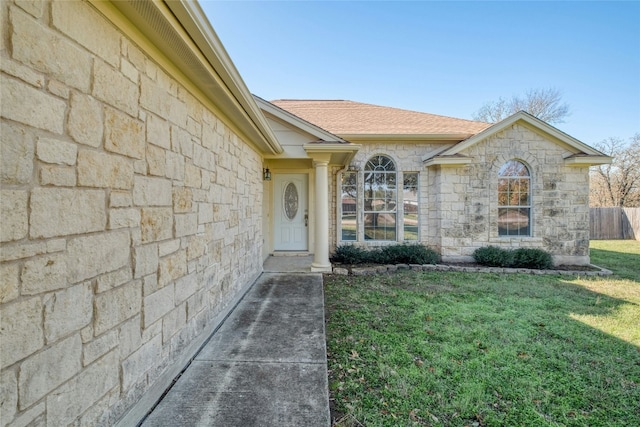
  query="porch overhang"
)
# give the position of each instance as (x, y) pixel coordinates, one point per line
(586, 160)
(334, 153)
(448, 161)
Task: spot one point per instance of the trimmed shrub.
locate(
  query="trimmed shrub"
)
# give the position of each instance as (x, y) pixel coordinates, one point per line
(493, 256)
(532, 258)
(409, 254)
(349, 254)
(394, 254)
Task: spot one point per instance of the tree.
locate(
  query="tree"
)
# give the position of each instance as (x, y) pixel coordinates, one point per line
(545, 104)
(617, 184)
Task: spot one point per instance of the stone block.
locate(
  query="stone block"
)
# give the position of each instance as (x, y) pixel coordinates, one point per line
(89, 256)
(182, 200)
(21, 333)
(9, 282)
(85, 124)
(37, 378)
(174, 166)
(129, 70)
(138, 363)
(145, 260)
(123, 134)
(44, 274)
(156, 161)
(88, 28)
(8, 395)
(32, 45)
(148, 191)
(13, 211)
(112, 87)
(196, 247)
(58, 88)
(173, 322)
(32, 7)
(16, 153)
(205, 213)
(114, 279)
(99, 347)
(129, 337)
(158, 131)
(172, 267)
(34, 417)
(120, 199)
(340, 271)
(117, 305)
(192, 176)
(41, 111)
(186, 287)
(169, 247)
(124, 218)
(156, 224)
(70, 400)
(55, 151)
(67, 311)
(98, 169)
(62, 211)
(61, 176)
(181, 141)
(186, 224)
(21, 250)
(157, 305)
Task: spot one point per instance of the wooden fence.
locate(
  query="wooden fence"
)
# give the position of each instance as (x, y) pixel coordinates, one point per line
(614, 223)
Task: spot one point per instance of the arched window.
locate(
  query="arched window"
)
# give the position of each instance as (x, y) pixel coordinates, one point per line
(380, 199)
(514, 199)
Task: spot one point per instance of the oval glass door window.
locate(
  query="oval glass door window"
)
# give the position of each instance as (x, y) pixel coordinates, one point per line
(290, 201)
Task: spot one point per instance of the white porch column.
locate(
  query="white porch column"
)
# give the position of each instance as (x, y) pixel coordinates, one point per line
(321, 251)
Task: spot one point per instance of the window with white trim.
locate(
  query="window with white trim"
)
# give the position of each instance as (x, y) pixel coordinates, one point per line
(380, 199)
(349, 203)
(410, 205)
(514, 199)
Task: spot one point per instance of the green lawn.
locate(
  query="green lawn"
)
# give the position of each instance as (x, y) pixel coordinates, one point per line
(476, 349)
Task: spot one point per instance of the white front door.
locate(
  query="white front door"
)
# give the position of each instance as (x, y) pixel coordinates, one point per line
(291, 214)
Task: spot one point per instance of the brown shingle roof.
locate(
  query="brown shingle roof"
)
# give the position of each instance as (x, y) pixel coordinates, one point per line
(355, 118)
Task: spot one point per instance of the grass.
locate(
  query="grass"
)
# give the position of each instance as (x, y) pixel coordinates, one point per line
(476, 349)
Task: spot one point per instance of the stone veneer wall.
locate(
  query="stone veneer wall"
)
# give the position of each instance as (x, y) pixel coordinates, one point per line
(458, 204)
(131, 216)
(560, 194)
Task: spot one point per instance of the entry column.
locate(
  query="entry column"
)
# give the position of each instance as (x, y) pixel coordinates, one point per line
(321, 252)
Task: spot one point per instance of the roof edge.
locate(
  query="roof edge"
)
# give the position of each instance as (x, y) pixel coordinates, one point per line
(296, 121)
(532, 121)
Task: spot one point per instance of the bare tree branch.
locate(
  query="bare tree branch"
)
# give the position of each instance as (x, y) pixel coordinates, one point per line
(617, 184)
(545, 104)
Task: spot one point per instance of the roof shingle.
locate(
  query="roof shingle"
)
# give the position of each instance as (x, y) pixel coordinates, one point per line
(355, 118)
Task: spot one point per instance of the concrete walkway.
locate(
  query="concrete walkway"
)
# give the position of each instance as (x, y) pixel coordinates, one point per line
(265, 366)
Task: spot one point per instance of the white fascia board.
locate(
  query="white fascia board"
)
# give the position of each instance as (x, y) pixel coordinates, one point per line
(296, 121)
(196, 24)
(448, 161)
(587, 160)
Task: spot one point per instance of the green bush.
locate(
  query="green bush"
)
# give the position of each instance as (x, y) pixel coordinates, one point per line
(493, 256)
(409, 254)
(349, 254)
(394, 254)
(532, 258)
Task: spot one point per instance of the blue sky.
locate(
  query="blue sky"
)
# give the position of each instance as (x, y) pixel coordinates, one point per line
(444, 58)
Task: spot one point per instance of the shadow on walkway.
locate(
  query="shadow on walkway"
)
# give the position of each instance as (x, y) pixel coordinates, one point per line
(265, 366)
